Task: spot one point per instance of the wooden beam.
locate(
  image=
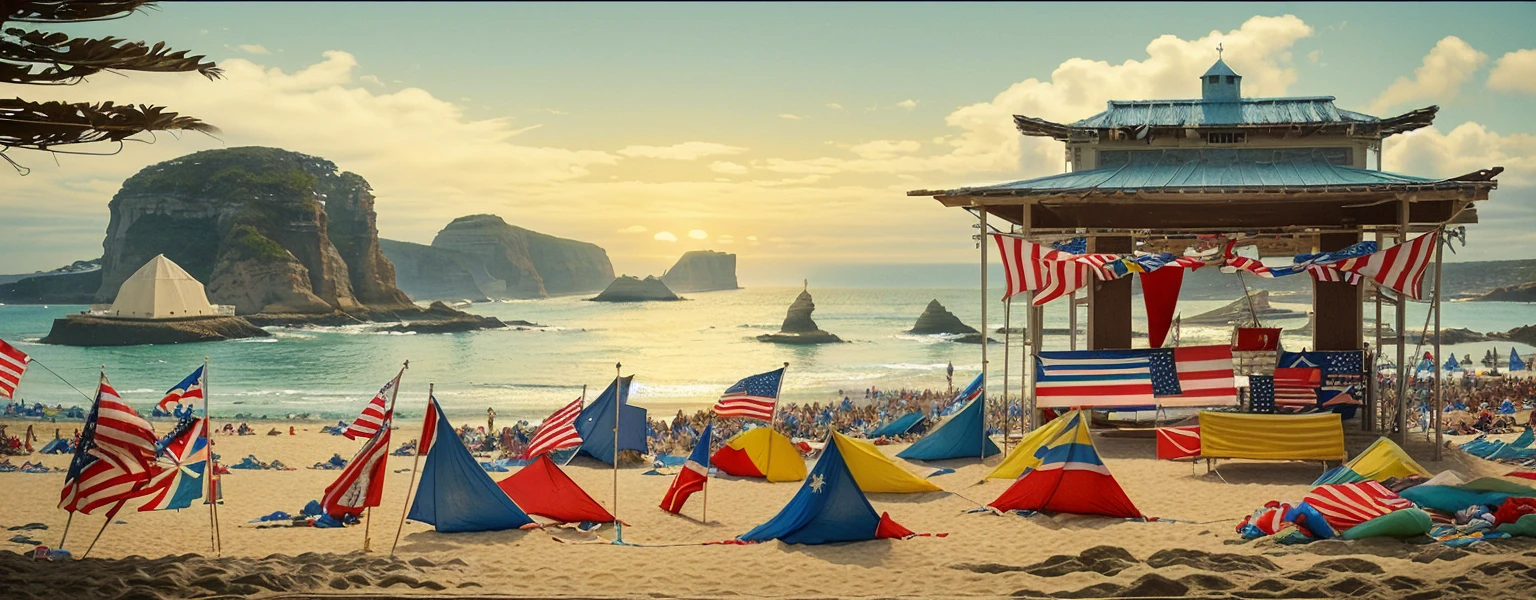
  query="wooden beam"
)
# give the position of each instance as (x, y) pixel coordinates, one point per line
(1109, 304)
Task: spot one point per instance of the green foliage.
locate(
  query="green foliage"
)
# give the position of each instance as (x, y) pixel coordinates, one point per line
(235, 175)
(245, 243)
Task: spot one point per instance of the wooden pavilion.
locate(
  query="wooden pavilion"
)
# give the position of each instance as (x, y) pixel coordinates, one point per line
(1155, 174)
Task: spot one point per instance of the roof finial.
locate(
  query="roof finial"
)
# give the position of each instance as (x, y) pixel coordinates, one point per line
(1218, 50)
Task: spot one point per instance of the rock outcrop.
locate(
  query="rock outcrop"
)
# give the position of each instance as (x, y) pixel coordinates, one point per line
(1525, 334)
(1525, 292)
(937, 320)
(427, 273)
(63, 288)
(440, 318)
(86, 330)
(269, 231)
(798, 327)
(1459, 335)
(629, 288)
(1239, 311)
(702, 271)
(532, 264)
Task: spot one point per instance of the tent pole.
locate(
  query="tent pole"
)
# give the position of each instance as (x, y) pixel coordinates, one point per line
(415, 463)
(1033, 322)
(707, 426)
(618, 396)
(1007, 344)
(773, 422)
(1435, 397)
(981, 242)
(1401, 417)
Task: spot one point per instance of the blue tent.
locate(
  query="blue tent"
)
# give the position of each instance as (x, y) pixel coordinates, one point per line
(595, 424)
(1515, 364)
(455, 494)
(1451, 364)
(900, 426)
(828, 508)
(959, 437)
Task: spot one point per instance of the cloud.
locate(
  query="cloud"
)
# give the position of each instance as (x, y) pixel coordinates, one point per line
(372, 80)
(1515, 72)
(634, 229)
(727, 167)
(908, 104)
(683, 151)
(253, 49)
(835, 106)
(1469, 147)
(790, 117)
(882, 149)
(1315, 56)
(698, 234)
(983, 138)
(665, 236)
(1438, 79)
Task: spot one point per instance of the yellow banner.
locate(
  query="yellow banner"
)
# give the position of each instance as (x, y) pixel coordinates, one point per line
(1272, 437)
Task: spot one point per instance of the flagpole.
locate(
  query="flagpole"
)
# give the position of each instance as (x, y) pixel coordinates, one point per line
(618, 396)
(210, 471)
(384, 428)
(1007, 345)
(707, 427)
(110, 515)
(981, 212)
(415, 463)
(773, 421)
(102, 375)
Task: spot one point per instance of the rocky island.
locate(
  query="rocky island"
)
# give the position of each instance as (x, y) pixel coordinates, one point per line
(798, 327)
(1525, 292)
(629, 288)
(1240, 311)
(937, 320)
(520, 263)
(702, 271)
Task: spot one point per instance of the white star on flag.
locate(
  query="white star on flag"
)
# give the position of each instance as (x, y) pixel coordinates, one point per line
(817, 482)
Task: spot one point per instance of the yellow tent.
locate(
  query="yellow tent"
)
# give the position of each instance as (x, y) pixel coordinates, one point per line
(1023, 456)
(875, 471)
(747, 455)
(1384, 460)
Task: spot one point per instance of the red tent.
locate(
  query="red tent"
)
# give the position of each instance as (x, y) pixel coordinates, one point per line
(1070, 478)
(542, 489)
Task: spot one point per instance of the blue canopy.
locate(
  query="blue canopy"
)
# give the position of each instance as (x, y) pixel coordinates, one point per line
(900, 426)
(959, 437)
(828, 508)
(1515, 364)
(595, 424)
(455, 494)
(1451, 364)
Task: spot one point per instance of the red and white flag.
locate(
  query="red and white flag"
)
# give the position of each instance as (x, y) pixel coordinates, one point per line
(1345, 505)
(1296, 388)
(367, 424)
(1399, 268)
(113, 458)
(1231, 258)
(428, 427)
(1174, 443)
(558, 431)
(361, 483)
(13, 364)
(1329, 274)
(1030, 267)
(1205, 377)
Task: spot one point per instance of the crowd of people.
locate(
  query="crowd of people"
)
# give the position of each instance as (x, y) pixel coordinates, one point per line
(1491, 403)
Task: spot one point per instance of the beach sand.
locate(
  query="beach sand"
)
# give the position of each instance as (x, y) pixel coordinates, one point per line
(1194, 551)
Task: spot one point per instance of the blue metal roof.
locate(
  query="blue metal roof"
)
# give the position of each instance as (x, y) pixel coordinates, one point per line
(1197, 113)
(1216, 171)
(1220, 68)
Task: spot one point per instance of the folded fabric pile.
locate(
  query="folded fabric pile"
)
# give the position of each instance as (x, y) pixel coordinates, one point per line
(336, 462)
(1344, 510)
(1518, 452)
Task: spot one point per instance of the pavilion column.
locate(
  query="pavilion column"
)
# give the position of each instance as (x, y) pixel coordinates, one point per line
(1337, 306)
(1109, 302)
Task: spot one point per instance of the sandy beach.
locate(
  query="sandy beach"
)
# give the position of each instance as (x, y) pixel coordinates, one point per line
(1192, 551)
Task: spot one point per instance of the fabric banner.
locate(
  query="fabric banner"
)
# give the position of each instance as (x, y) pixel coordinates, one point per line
(1272, 437)
(1160, 294)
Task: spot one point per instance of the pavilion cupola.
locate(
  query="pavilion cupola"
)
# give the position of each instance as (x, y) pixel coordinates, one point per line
(1221, 84)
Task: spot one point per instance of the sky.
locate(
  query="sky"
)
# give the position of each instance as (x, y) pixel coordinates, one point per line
(786, 133)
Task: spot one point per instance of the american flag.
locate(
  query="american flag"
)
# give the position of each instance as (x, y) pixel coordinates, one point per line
(693, 476)
(361, 483)
(1034, 268)
(1296, 389)
(1230, 258)
(1194, 376)
(113, 456)
(1345, 505)
(373, 416)
(1261, 394)
(1400, 268)
(1330, 274)
(13, 364)
(1342, 374)
(1094, 378)
(190, 388)
(557, 432)
(177, 479)
(753, 397)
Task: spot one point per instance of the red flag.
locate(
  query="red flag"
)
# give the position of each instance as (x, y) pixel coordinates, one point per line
(367, 423)
(13, 364)
(1400, 267)
(1049, 273)
(1257, 339)
(1174, 443)
(428, 428)
(1160, 294)
(361, 484)
(694, 475)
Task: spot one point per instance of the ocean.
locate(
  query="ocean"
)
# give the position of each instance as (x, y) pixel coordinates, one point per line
(683, 354)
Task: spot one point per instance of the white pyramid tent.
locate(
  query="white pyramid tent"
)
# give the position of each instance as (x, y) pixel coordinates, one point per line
(161, 289)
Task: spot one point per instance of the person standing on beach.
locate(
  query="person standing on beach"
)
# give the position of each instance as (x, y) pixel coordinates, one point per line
(490, 421)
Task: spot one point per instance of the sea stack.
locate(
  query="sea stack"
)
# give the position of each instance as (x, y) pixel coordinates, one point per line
(937, 320)
(158, 304)
(798, 327)
(629, 288)
(702, 271)
(1241, 311)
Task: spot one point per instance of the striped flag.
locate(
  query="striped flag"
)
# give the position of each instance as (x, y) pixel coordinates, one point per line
(1400, 268)
(1094, 378)
(373, 416)
(361, 483)
(1030, 267)
(190, 388)
(1345, 505)
(113, 456)
(1329, 274)
(177, 479)
(692, 478)
(557, 432)
(1230, 258)
(1199, 376)
(752, 398)
(13, 364)
(1174, 443)
(428, 427)
(1296, 389)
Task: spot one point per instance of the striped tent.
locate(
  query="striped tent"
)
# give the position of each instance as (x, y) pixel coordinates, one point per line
(1346, 505)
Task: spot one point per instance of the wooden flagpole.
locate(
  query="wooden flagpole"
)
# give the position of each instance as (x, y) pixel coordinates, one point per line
(210, 470)
(981, 239)
(773, 423)
(1007, 345)
(415, 463)
(1436, 407)
(111, 514)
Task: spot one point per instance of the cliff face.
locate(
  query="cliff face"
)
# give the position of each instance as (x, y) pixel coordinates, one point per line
(532, 264)
(255, 224)
(702, 271)
(63, 288)
(427, 273)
